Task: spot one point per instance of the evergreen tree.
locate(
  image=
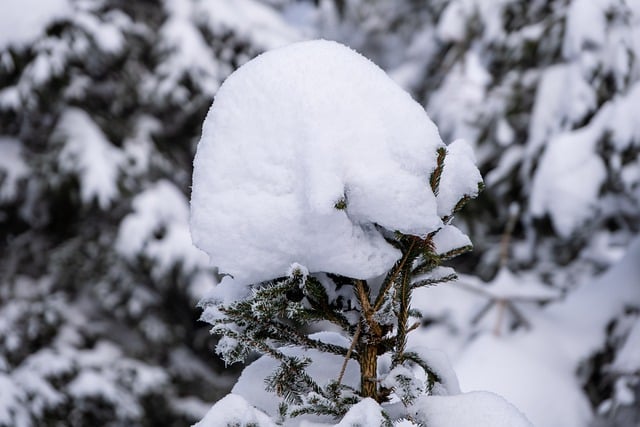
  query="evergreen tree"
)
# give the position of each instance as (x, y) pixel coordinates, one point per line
(362, 320)
(100, 107)
(544, 91)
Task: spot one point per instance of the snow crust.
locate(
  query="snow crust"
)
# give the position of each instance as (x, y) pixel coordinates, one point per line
(295, 133)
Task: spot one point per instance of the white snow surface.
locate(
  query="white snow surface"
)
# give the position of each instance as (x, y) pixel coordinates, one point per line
(158, 229)
(460, 177)
(628, 358)
(525, 366)
(22, 22)
(324, 367)
(252, 19)
(450, 238)
(292, 133)
(234, 410)
(13, 168)
(249, 402)
(567, 182)
(439, 363)
(478, 409)
(586, 26)
(90, 155)
(365, 413)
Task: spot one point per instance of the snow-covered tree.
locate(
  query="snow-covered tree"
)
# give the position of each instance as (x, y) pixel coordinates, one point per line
(100, 108)
(544, 91)
(325, 196)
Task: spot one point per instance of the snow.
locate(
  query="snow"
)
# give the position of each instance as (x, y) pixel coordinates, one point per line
(233, 410)
(324, 367)
(516, 371)
(509, 286)
(439, 363)
(190, 54)
(88, 153)
(249, 18)
(450, 238)
(404, 382)
(13, 168)
(454, 106)
(158, 228)
(510, 159)
(585, 27)
(277, 156)
(51, 61)
(446, 408)
(452, 26)
(524, 366)
(567, 182)
(563, 97)
(478, 409)
(628, 358)
(625, 130)
(106, 35)
(460, 177)
(365, 413)
(11, 398)
(191, 407)
(22, 22)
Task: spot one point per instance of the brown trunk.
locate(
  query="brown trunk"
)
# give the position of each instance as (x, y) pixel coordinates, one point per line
(368, 369)
(368, 344)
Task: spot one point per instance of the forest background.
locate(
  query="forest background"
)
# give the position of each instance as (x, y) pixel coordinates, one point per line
(101, 107)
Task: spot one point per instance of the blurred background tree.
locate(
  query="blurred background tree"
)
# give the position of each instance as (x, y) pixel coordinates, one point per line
(101, 104)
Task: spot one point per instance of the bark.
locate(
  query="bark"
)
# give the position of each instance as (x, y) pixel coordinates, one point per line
(368, 358)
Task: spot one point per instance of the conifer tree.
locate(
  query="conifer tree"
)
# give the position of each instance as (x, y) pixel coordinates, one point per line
(363, 318)
(376, 321)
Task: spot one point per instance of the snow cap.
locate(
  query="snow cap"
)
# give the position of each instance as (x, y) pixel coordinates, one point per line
(305, 153)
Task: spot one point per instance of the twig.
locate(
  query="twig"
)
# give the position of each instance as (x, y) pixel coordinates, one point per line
(346, 358)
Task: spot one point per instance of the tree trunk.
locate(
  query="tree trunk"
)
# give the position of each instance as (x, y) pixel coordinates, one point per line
(368, 358)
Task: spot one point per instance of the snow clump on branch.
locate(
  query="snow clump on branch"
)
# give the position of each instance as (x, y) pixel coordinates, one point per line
(310, 154)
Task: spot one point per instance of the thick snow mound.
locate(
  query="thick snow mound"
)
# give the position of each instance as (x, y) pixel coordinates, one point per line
(365, 413)
(478, 409)
(233, 410)
(305, 150)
